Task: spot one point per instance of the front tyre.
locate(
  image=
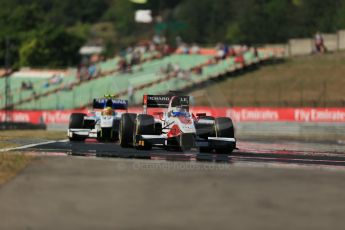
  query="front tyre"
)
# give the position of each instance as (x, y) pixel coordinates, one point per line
(76, 121)
(126, 130)
(144, 125)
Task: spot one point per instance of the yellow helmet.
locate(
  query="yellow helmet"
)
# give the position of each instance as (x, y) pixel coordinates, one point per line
(107, 111)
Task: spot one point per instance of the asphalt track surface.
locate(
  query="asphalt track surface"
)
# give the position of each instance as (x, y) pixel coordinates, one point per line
(262, 185)
(279, 152)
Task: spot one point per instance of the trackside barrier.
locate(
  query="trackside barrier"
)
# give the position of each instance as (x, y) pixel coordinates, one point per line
(238, 114)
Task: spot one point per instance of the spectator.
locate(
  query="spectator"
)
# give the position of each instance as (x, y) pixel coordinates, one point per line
(319, 43)
(130, 94)
(136, 58)
(198, 70)
(185, 49)
(232, 51)
(256, 52)
(166, 50)
(244, 48)
(92, 71)
(226, 50)
(178, 41)
(195, 49)
(27, 85)
(157, 39)
(30, 85)
(169, 68)
(55, 79)
(176, 68)
(129, 50)
(68, 86)
(83, 73)
(220, 54)
(123, 65)
(152, 47)
(24, 85)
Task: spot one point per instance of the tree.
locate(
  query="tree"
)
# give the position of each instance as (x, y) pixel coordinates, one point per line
(51, 47)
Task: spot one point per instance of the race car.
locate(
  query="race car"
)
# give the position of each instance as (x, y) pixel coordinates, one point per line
(176, 128)
(102, 123)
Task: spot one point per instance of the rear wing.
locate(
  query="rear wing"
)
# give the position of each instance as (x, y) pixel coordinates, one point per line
(162, 101)
(101, 103)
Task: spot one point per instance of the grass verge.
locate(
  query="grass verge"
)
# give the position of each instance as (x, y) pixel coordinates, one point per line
(11, 164)
(316, 80)
(12, 138)
(32, 134)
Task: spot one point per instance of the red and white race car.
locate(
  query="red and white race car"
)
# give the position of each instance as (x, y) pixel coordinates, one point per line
(177, 128)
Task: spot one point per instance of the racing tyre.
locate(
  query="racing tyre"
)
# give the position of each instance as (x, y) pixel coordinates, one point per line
(115, 131)
(204, 131)
(76, 121)
(126, 130)
(145, 125)
(224, 127)
(205, 150)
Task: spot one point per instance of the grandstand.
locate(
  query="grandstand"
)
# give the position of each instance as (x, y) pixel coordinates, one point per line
(209, 71)
(40, 83)
(148, 77)
(41, 86)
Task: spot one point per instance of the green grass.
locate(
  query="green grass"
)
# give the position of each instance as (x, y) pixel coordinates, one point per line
(13, 162)
(317, 80)
(10, 138)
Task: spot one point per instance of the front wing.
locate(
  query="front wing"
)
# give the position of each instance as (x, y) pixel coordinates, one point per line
(87, 133)
(210, 142)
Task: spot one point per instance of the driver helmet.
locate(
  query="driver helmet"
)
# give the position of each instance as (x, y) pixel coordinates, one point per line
(107, 111)
(176, 105)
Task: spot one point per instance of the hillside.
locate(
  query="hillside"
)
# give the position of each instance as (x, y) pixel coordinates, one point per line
(317, 80)
(31, 29)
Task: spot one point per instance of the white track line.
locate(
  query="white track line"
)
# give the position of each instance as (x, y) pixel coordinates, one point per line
(31, 145)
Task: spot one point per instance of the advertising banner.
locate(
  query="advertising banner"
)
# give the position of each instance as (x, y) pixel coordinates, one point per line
(238, 114)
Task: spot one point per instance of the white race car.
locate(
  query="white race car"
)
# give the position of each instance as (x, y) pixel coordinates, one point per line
(102, 123)
(176, 128)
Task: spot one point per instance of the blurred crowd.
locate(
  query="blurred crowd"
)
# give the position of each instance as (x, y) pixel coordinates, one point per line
(87, 71)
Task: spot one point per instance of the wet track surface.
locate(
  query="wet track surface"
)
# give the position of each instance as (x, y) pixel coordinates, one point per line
(248, 151)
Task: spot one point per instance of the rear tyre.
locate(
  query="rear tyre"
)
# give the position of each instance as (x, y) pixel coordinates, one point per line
(205, 150)
(115, 130)
(106, 134)
(145, 125)
(224, 127)
(127, 126)
(76, 121)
